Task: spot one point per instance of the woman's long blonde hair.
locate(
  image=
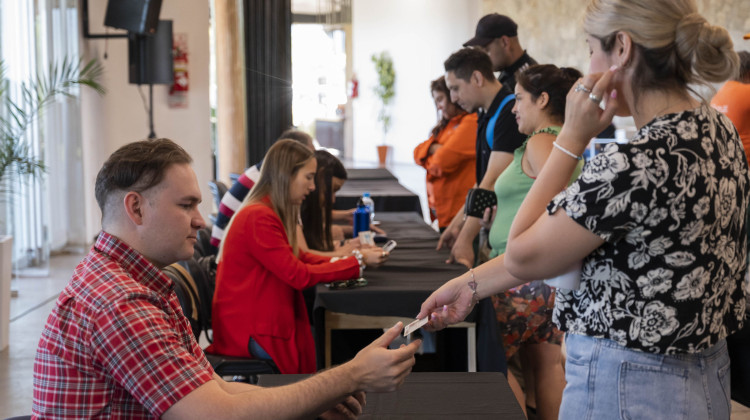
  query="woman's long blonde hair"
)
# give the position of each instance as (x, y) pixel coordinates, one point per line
(280, 166)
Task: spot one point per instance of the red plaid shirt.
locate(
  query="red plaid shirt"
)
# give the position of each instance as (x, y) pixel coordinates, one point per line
(116, 345)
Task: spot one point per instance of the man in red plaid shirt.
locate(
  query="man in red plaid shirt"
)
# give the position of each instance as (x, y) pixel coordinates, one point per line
(117, 345)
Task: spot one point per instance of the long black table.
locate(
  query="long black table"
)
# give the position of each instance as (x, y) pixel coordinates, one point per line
(358, 174)
(386, 192)
(435, 395)
(397, 289)
(413, 271)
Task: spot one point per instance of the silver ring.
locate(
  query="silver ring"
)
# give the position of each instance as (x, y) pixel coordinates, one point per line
(582, 88)
(595, 98)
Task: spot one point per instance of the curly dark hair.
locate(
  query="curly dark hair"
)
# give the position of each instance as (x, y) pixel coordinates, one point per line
(556, 81)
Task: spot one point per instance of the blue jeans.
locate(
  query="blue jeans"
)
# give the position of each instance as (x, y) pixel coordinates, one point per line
(608, 381)
(257, 351)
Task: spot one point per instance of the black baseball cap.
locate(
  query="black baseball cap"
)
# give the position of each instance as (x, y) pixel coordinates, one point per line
(490, 27)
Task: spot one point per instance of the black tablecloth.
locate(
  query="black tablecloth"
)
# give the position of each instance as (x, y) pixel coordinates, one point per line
(435, 395)
(413, 271)
(387, 194)
(369, 173)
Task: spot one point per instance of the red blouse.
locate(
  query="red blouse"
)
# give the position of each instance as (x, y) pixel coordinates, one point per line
(259, 285)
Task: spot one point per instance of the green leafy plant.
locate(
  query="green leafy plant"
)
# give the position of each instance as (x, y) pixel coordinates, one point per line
(385, 88)
(17, 160)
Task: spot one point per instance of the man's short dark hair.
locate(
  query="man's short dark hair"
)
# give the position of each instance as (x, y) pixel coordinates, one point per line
(137, 166)
(297, 135)
(466, 61)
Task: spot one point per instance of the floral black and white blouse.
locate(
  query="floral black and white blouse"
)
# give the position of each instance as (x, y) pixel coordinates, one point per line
(670, 206)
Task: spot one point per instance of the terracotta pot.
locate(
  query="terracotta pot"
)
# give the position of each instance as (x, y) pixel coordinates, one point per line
(383, 152)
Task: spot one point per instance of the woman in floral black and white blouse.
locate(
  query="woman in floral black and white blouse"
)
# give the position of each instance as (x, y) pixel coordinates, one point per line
(659, 223)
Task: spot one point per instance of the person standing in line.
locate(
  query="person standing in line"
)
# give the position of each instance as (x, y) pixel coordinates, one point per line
(469, 77)
(524, 313)
(497, 35)
(449, 155)
(657, 226)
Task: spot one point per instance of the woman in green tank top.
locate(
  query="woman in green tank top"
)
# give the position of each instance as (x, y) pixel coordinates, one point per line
(524, 314)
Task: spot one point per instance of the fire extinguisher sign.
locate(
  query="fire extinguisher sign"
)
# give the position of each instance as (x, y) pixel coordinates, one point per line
(178, 93)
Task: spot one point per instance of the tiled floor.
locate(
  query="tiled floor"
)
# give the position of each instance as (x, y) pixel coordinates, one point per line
(37, 296)
(28, 313)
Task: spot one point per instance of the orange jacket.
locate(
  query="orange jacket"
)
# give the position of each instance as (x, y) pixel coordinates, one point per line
(451, 168)
(733, 99)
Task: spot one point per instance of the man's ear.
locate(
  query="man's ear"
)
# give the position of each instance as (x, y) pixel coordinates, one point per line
(477, 78)
(134, 203)
(504, 42)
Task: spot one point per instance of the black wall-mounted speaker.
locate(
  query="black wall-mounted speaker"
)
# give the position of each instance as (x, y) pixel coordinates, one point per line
(150, 56)
(138, 16)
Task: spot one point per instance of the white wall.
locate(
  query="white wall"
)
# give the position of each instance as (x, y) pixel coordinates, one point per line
(419, 35)
(119, 116)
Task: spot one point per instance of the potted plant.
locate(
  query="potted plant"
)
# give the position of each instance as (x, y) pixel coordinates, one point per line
(385, 90)
(18, 163)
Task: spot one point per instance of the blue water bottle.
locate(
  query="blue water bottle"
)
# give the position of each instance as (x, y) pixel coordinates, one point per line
(361, 219)
(369, 204)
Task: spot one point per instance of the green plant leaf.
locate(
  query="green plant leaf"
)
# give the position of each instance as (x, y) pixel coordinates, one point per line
(385, 90)
(17, 161)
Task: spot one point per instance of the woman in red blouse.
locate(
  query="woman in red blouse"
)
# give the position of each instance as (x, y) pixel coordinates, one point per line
(258, 307)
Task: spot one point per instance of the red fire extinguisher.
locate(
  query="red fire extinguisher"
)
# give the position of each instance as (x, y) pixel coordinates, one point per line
(354, 87)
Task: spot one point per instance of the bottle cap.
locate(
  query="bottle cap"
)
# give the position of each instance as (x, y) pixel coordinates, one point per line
(367, 194)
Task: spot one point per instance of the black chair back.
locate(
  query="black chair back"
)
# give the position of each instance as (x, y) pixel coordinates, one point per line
(218, 189)
(187, 294)
(203, 246)
(198, 279)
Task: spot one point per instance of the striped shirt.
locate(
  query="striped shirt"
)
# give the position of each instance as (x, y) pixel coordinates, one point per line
(117, 344)
(231, 201)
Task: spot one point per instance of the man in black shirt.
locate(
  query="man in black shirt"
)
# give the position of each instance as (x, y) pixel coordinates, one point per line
(497, 35)
(469, 77)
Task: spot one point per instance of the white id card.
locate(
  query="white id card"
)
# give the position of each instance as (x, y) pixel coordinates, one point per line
(414, 325)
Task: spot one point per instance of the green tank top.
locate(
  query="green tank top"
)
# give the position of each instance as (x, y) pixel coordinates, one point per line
(511, 188)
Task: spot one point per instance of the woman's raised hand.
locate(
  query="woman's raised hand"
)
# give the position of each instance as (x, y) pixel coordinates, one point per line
(584, 118)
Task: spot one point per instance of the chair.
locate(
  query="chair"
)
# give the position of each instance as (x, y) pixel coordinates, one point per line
(234, 177)
(195, 281)
(203, 247)
(218, 189)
